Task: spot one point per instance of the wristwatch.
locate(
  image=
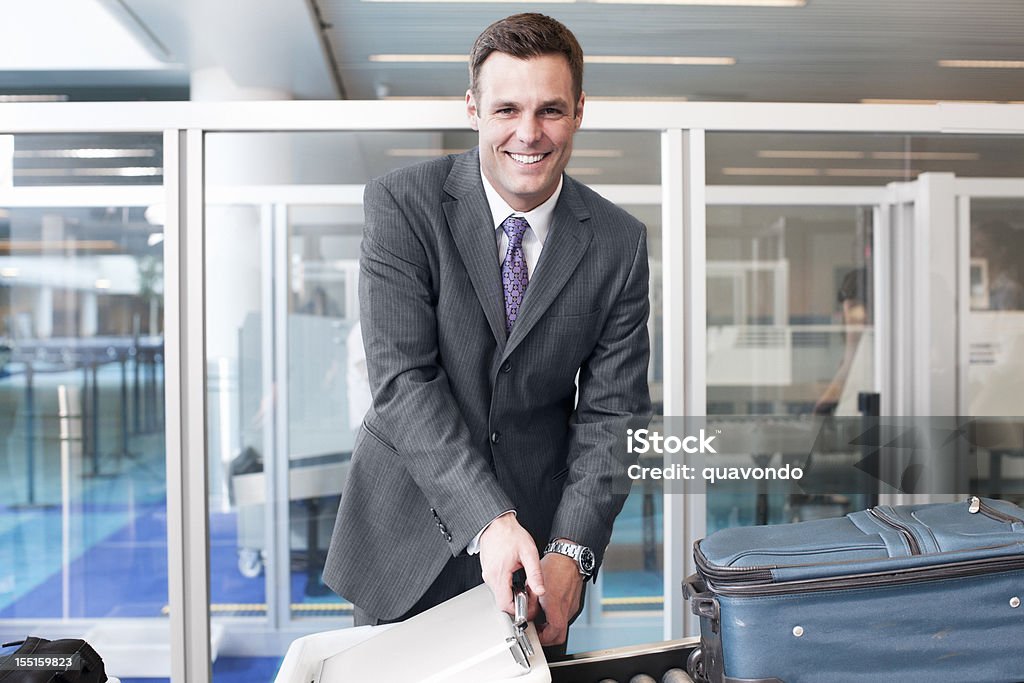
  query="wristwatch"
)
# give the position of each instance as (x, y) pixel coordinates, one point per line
(583, 555)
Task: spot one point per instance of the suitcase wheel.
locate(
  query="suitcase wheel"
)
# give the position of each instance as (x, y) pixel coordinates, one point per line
(695, 666)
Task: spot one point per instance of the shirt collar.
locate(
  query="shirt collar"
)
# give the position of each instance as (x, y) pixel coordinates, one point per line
(538, 218)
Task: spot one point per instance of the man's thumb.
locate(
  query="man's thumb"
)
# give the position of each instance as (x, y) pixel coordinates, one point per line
(534, 575)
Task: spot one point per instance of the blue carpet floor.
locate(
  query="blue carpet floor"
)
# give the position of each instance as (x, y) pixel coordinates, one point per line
(116, 563)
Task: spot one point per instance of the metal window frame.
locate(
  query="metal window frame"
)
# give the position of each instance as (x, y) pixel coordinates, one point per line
(683, 196)
(188, 523)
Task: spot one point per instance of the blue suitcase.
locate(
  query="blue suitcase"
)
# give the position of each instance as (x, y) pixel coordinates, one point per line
(907, 593)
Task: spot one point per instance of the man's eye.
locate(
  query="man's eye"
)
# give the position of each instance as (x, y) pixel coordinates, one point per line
(550, 111)
(505, 111)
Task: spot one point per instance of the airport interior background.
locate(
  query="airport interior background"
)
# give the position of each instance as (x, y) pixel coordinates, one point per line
(813, 263)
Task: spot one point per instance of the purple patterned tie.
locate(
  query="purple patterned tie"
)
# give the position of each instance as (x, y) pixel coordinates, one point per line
(514, 276)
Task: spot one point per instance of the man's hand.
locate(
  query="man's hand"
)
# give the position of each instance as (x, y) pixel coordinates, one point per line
(561, 600)
(505, 546)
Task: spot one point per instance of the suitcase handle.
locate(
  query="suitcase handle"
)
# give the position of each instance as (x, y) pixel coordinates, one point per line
(703, 603)
(693, 585)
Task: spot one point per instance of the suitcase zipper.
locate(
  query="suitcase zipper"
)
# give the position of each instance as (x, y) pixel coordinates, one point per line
(976, 505)
(876, 579)
(730, 574)
(903, 529)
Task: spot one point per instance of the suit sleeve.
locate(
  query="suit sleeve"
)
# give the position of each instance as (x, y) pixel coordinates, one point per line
(613, 397)
(411, 393)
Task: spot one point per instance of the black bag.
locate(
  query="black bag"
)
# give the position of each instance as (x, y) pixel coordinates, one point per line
(90, 669)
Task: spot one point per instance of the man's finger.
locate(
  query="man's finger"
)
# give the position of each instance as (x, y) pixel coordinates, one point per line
(534, 575)
(549, 634)
(500, 584)
(532, 605)
(503, 595)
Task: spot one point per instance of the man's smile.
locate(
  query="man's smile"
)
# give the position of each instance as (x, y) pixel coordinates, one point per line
(526, 159)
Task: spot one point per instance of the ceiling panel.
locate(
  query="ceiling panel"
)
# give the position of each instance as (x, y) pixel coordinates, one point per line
(830, 50)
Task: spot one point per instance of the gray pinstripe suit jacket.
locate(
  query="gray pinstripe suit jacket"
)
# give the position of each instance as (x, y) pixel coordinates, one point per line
(465, 422)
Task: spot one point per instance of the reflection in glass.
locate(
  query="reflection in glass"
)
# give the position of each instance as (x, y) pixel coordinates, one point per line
(856, 159)
(995, 332)
(82, 472)
(789, 308)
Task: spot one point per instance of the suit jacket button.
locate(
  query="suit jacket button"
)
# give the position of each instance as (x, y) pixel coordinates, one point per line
(507, 367)
(495, 437)
(448, 537)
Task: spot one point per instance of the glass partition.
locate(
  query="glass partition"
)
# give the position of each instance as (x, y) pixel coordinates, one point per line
(790, 335)
(855, 159)
(791, 311)
(995, 334)
(83, 538)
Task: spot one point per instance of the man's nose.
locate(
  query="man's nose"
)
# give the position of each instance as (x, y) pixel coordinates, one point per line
(529, 130)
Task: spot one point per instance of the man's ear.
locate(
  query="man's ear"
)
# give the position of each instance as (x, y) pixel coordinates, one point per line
(471, 110)
(579, 109)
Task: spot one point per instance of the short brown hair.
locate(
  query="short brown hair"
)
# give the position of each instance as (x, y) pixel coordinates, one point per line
(524, 36)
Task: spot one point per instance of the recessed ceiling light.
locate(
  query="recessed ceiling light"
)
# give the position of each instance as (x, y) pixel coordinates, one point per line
(736, 170)
(423, 152)
(418, 58)
(95, 153)
(883, 100)
(11, 246)
(9, 272)
(870, 172)
(720, 3)
(103, 283)
(126, 171)
(807, 154)
(982, 63)
(424, 97)
(928, 156)
(811, 172)
(536, 2)
(877, 100)
(639, 98)
(659, 60)
(33, 98)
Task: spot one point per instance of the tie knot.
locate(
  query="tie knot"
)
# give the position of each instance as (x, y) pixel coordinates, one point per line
(515, 227)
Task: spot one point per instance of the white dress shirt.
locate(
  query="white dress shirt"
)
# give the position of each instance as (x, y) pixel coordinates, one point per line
(539, 220)
(533, 243)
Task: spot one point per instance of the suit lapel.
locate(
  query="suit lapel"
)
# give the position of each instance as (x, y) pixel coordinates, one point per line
(469, 218)
(564, 248)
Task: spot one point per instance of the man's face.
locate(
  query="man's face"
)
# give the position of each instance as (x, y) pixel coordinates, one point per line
(526, 118)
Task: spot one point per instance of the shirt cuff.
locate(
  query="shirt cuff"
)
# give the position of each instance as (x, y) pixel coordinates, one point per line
(474, 546)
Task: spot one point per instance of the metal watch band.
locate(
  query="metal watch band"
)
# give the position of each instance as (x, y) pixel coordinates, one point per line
(580, 553)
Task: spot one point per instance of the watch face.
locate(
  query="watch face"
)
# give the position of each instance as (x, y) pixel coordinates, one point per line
(587, 560)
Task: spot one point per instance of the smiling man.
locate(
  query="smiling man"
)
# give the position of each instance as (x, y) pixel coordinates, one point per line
(504, 314)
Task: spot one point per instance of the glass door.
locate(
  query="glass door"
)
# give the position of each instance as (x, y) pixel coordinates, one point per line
(790, 340)
(991, 329)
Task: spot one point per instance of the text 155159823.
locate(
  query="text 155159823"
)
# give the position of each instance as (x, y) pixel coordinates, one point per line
(72, 662)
